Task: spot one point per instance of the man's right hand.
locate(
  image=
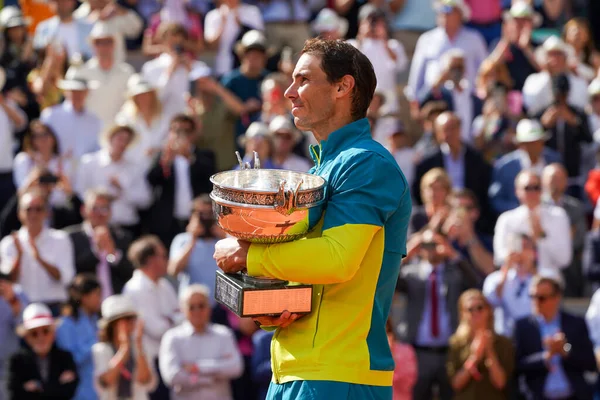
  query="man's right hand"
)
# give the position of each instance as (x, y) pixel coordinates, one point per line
(17, 242)
(283, 321)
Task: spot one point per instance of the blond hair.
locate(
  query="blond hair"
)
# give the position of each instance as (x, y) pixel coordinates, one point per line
(463, 332)
(435, 175)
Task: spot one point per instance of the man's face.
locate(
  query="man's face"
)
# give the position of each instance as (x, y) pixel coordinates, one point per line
(64, 8)
(556, 62)
(533, 149)
(159, 261)
(465, 203)
(40, 339)
(256, 60)
(197, 310)
(283, 141)
(32, 211)
(554, 181)
(447, 130)
(98, 213)
(174, 39)
(312, 95)
(529, 190)
(545, 300)
(450, 20)
(104, 48)
(77, 98)
(457, 69)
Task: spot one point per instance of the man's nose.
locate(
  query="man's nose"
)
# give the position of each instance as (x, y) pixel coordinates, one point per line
(291, 92)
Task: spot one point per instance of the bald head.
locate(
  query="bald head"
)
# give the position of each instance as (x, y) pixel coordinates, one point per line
(447, 129)
(555, 180)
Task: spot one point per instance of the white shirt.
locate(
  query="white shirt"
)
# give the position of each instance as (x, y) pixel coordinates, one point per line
(68, 36)
(77, 133)
(385, 67)
(108, 97)
(538, 167)
(537, 92)
(24, 164)
(96, 169)
(593, 319)
(463, 107)
(554, 251)
(183, 188)
(7, 139)
(158, 306)
(249, 15)
(172, 90)
(594, 124)
(214, 351)
(55, 248)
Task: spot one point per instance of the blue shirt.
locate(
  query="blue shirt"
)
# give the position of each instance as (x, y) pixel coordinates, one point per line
(201, 267)
(417, 15)
(8, 324)
(454, 168)
(78, 336)
(425, 338)
(557, 385)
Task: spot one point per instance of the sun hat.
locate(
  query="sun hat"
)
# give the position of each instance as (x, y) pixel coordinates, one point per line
(137, 85)
(446, 6)
(328, 20)
(530, 131)
(256, 129)
(555, 43)
(283, 123)
(522, 9)
(11, 16)
(116, 307)
(252, 40)
(35, 315)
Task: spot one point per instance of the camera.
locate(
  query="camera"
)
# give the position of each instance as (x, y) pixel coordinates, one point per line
(48, 178)
(178, 49)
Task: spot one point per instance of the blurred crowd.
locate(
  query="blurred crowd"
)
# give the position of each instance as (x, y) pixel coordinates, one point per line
(114, 114)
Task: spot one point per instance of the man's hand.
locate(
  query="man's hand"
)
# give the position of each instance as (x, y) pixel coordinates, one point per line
(231, 255)
(34, 249)
(191, 368)
(556, 344)
(549, 117)
(17, 242)
(104, 240)
(283, 321)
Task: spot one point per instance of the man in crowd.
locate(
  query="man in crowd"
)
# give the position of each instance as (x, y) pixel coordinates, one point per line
(99, 248)
(40, 259)
(359, 249)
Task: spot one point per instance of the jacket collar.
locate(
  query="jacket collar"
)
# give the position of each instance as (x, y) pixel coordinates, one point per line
(340, 139)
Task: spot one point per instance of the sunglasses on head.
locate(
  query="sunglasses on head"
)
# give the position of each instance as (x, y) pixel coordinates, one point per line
(35, 333)
(479, 308)
(198, 306)
(533, 188)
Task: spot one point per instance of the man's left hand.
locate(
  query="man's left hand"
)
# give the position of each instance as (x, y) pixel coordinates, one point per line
(282, 321)
(231, 254)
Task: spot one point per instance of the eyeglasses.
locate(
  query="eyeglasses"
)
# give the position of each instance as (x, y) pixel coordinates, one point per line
(533, 188)
(199, 306)
(540, 298)
(34, 209)
(40, 135)
(472, 310)
(284, 136)
(103, 42)
(35, 333)
(101, 210)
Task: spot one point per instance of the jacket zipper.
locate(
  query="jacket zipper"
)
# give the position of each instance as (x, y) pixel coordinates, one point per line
(321, 295)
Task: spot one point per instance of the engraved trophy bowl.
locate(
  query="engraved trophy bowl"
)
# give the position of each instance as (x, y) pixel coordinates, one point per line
(263, 206)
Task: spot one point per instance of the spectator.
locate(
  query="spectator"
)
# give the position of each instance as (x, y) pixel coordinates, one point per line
(257, 139)
(101, 249)
(12, 303)
(546, 224)
(154, 298)
(52, 63)
(64, 31)
(427, 113)
(329, 25)
(76, 127)
(530, 155)
(190, 255)
(553, 347)
(199, 358)
(405, 371)
(480, 362)
(179, 174)
(244, 82)
(261, 361)
(432, 315)
(553, 58)
(450, 34)
(142, 112)
(491, 76)
(506, 289)
(109, 75)
(123, 179)
(18, 49)
(274, 103)
(41, 152)
(594, 108)
(592, 318)
(406, 156)
(554, 184)
(38, 258)
(285, 137)
(435, 188)
(122, 367)
(41, 369)
(486, 18)
(77, 332)
(576, 33)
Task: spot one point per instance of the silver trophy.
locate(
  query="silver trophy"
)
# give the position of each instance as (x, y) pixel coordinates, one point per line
(264, 206)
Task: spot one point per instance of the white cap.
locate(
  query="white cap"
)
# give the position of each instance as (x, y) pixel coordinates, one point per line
(253, 39)
(283, 123)
(256, 129)
(522, 9)
(35, 315)
(115, 307)
(443, 5)
(138, 85)
(328, 20)
(530, 131)
(101, 31)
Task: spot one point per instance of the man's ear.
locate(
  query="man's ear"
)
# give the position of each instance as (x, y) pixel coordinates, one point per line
(345, 86)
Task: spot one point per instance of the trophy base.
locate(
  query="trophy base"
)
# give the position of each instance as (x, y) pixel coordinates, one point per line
(255, 297)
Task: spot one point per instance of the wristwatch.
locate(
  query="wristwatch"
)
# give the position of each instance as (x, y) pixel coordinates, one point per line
(567, 348)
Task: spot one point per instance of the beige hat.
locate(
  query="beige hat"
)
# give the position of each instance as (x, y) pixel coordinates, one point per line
(11, 16)
(252, 40)
(554, 43)
(445, 6)
(101, 31)
(116, 307)
(35, 315)
(328, 20)
(256, 129)
(594, 87)
(522, 9)
(530, 131)
(283, 123)
(137, 85)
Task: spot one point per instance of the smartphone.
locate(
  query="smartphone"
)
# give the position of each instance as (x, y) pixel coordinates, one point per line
(178, 49)
(48, 178)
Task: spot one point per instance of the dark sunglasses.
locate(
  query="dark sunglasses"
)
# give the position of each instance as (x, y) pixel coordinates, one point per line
(474, 309)
(35, 209)
(39, 333)
(533, 188)
(200, 306)
(103, 42)
(284, 136)
(540, 298)
(40, 135)
(101, 210)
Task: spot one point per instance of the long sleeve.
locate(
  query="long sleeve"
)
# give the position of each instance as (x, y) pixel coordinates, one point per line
(557, 243)
(138, 192)
(21, 169)
(58, 390)
(416, 77)
(68, 339)
(489, 289)
(527, 361)
(354, 216)
(66, 267)
(501, 192)
(129, 24)
(500, 239)
(84, 176)
(155, 324)
(230, 365)
(581, 357)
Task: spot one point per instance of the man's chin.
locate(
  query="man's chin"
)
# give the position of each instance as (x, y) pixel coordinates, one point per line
(300, 124)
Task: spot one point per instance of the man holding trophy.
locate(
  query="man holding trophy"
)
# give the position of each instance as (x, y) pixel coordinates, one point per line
(354, 246)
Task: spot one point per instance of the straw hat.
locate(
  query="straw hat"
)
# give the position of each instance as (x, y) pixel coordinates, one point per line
(328, 20)
(522, 9)
(137, 85)
(446, 6)
(252, 40)
(256, 129)
(116, 307)
(101, 31)
(530, 131)
(282, 123)
(35, 315)
(554, 43)
(11, 16)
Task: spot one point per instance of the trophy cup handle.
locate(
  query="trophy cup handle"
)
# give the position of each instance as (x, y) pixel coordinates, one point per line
(286, 200)
(246, 165)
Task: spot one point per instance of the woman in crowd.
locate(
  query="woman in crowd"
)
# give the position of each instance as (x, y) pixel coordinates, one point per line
(174, 12)
(41, 152)
(121, 368)
(576, 33)
(18, 48)
(257, 139)
(285, 137)
(435, 188)
(405, 373)
(480, 362)
(52, 64)
(77, 332)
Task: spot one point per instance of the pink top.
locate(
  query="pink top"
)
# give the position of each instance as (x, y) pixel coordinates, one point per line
(485, 11)
(405, 374)
(192, 25)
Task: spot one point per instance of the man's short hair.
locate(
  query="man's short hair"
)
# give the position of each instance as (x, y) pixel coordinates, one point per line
(553, 279)
(94, 194)
(191, 290)
(466, 194)
(339, 59)
(183, 119)
(143, 249)
(35, 193)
